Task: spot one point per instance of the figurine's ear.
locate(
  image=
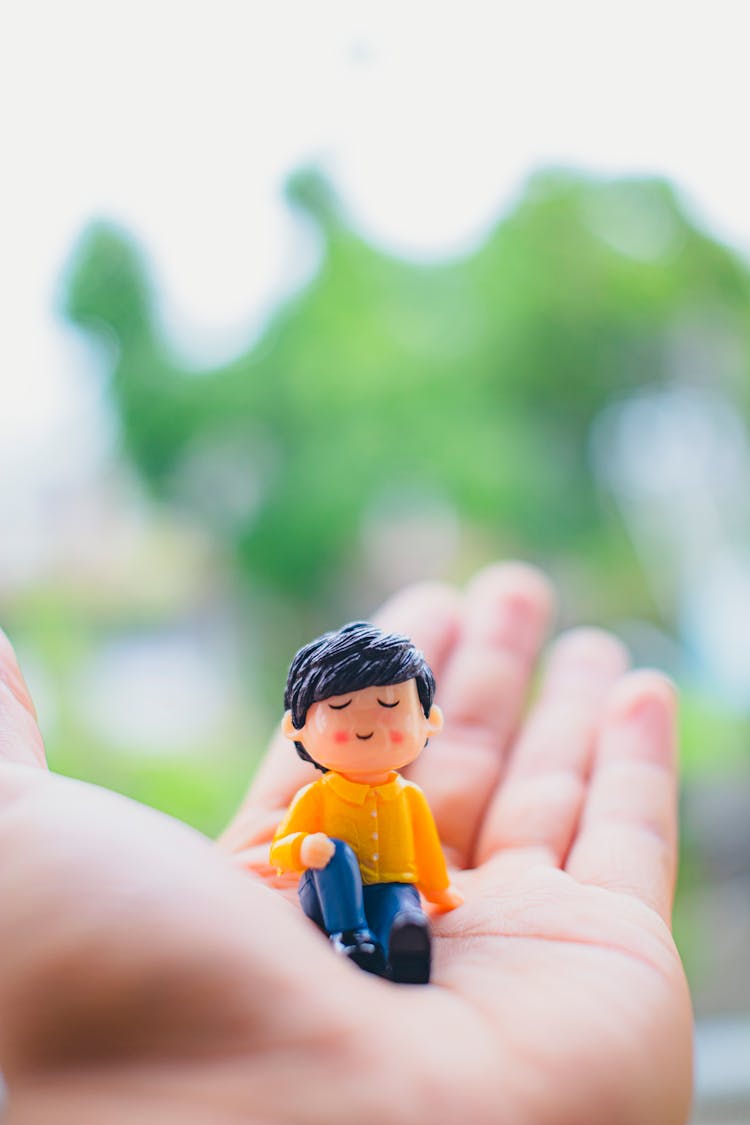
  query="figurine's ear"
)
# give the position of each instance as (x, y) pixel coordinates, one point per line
(435, 720)
(288, 728)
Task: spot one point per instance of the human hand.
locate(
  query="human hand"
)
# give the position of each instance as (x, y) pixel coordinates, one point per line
(558, 994)
(316, 850)
(144, 978)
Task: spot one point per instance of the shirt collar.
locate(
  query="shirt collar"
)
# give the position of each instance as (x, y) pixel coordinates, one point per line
(357, 794)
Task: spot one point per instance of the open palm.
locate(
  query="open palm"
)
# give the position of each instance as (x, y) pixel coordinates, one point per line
(149, 975)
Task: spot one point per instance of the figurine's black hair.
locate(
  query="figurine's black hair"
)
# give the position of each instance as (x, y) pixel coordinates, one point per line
(358, 655)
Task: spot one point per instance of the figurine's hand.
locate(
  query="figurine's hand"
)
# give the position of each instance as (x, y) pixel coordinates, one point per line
(317, 850)
(447, 899)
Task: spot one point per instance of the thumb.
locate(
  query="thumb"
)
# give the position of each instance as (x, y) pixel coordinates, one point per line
(20, 737)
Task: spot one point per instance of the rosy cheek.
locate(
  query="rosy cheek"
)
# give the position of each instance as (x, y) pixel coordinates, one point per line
(396, 736)
(340, 737)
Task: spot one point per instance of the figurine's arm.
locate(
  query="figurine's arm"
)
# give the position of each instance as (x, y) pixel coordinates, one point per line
(432, 873)
(303, 818)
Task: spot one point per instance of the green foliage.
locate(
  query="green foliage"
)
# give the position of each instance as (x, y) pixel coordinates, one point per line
(204, 792)
(713, 740)
(473, 381)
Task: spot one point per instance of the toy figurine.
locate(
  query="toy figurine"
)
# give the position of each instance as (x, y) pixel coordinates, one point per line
(359, 706)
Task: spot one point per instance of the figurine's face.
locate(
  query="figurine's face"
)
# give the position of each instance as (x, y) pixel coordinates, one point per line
(367, 732)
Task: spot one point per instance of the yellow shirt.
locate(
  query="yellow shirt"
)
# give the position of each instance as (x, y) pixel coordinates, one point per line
(389, 827)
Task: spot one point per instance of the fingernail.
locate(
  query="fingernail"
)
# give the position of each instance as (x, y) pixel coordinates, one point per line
(646, 698)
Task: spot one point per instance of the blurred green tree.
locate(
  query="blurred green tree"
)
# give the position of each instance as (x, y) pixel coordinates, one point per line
(474, 380)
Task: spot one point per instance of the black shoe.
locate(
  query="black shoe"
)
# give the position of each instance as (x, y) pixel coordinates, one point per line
(410, 948)
(361, 948)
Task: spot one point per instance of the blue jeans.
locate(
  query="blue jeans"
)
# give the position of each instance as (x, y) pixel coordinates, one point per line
(335, 898)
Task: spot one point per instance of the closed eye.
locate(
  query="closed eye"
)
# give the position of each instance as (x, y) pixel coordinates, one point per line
(339, 706)
(388, 705)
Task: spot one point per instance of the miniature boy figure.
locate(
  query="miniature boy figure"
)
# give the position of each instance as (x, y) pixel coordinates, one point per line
(360, 707)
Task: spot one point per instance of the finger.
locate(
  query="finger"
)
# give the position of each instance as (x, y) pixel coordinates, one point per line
(537, 806)
(627, 839)
(508, 608)
(429, 613)
(20, 737)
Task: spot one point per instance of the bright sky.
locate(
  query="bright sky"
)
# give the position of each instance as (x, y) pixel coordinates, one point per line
(181, 120)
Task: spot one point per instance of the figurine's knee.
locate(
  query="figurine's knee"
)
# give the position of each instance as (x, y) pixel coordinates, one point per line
(336, 891)
(343, 858)
(309, 900)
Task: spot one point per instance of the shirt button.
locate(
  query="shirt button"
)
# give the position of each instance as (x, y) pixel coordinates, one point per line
(376, 856)
(374, 812)
(374, 835)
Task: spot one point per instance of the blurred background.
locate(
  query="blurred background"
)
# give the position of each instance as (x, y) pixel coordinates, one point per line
(304, 302)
